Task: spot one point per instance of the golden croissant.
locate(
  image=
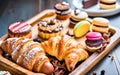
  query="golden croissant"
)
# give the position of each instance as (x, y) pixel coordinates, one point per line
(65, 48)
(28, 54)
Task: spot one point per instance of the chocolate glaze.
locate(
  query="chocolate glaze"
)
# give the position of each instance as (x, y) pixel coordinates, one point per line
(47, 26)
(94, 43)
(65, 12)
(52, 31)
(62, 6)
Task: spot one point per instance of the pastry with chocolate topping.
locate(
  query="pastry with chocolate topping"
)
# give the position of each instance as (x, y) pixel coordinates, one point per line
(77, 16)
(89, 3)
(19, 29)
(107, 4)
(49, 28)
(63, 10)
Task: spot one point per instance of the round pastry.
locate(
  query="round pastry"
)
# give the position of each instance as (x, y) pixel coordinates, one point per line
(63, 10)
(93, 41)
(100, 24)
(77, 16)
(107, 4)
(19, 29)
(81, 28)
(49, 28)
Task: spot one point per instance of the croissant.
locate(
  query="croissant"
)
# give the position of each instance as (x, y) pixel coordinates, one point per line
(65, 48)
(28, 54)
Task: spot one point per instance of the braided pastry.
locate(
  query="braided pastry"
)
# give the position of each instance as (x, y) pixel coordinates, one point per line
(65, 48)
(28, 54)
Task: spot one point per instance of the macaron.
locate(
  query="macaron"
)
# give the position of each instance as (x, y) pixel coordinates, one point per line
(107, 4)
(76, 16)
(100, 24)
(81, 28)
(93, 41)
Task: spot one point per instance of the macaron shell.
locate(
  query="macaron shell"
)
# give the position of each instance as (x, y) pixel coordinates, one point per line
(99, 21)
(108, 1)
(81, 16)
(93, 36)
(100, 29)
(93, 49)
(81, 28)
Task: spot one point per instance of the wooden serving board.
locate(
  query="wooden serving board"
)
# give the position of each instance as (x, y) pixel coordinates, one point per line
(82, 69)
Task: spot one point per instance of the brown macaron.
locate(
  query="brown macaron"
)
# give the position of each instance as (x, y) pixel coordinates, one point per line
(100, 24)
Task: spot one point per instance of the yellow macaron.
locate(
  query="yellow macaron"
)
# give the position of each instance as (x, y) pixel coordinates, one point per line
(81, 28)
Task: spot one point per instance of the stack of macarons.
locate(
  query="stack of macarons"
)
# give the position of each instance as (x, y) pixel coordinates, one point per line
(77, 16)
(63, 10)
(107, 4)
(93, 41)
(100, 24)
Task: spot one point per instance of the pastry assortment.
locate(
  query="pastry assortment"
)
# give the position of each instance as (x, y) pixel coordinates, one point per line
(65, 48)
(19, 29)
(57, 49)
(103, 4)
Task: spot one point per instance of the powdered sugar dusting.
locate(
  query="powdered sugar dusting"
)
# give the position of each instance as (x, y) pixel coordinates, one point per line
(18, 47)
(31, 54)
(26, 48)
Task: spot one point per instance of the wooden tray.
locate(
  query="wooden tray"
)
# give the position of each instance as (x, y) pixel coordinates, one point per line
(82, 69)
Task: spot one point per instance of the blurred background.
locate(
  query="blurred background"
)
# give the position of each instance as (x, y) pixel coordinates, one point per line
(22, 10)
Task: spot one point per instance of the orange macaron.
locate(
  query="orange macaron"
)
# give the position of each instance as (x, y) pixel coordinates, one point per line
(100, 24)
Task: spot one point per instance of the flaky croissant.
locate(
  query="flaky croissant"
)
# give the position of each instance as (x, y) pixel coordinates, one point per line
(65, 48)
(28, 54)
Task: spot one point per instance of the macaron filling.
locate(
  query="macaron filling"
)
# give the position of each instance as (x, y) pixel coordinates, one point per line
(108, 3)
(100, 26)
(93, 41)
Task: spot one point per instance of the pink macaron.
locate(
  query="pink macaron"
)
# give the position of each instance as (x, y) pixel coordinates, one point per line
(93, 36)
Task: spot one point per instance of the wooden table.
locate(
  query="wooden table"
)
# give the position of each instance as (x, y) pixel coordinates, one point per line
(23, 10)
